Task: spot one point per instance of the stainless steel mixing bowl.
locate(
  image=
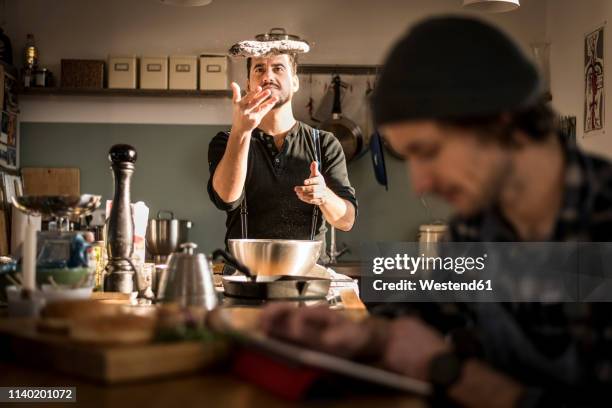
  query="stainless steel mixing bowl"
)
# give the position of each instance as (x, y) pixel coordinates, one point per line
(274, 257)
(58, 205)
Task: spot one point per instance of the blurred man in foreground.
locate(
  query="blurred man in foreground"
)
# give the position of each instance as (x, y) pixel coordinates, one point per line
(462, 103)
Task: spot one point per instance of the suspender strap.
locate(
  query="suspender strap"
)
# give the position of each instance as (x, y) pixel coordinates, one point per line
(315, 210)
(243, 217)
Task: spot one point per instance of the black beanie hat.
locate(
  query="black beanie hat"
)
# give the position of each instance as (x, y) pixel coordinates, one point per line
(453, 67)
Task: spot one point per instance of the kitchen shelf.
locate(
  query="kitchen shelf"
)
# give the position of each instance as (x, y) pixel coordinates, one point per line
(339, 69)
(124, 92)
(302, 69)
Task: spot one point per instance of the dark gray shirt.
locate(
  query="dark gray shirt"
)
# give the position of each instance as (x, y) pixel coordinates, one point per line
(274, 210)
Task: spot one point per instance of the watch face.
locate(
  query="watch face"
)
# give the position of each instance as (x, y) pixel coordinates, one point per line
(444, 369)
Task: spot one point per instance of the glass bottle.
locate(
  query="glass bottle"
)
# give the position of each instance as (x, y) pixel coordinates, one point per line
(99, 258)
(31, 53)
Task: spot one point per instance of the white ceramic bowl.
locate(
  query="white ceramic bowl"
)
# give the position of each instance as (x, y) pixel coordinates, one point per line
(23, 307)
(65, 292)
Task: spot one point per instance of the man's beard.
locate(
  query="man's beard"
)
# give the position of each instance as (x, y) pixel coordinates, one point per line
(281, 101)
(283, 98)
(490, 191)
(496, 185)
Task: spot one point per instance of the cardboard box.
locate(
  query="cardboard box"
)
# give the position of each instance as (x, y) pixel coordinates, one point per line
(213, 72)
(122, 72)
(184, 72)
(154, 73)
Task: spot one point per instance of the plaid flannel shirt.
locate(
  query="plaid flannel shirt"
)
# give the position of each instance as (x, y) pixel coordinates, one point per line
(547, 345)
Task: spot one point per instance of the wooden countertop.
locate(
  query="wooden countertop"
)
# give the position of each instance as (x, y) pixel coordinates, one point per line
(215, 389)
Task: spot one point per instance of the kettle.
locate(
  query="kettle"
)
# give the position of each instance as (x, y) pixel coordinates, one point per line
(188, 279)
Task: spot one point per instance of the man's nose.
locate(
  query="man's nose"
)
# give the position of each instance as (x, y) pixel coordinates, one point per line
(421, 177)
(268, 75)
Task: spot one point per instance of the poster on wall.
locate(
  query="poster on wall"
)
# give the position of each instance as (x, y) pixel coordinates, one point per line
(8, 140)
(9, 123)
(594, 113)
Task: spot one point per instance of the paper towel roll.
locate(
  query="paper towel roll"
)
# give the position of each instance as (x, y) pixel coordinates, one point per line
(28, 263)
(19, 223)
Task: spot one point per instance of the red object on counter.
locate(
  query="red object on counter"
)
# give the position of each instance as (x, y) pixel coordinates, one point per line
(289, 381)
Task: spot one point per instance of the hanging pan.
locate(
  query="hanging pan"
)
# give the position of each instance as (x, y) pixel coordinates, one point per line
(346, 131)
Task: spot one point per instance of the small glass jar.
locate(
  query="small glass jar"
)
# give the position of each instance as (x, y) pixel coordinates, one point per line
(27, 78)
(40, 77)
(99, 258)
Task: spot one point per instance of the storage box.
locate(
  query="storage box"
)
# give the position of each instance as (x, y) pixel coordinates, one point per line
(154, 73)
(122, 72)
(78, 73)
(183, 72)
(213, 72)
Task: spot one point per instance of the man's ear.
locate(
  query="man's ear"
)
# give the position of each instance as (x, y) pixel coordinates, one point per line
(295, 82)
(520, 139)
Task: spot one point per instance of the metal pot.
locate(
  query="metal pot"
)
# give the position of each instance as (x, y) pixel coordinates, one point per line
(164, 235)
(346, 131)
(277, 34)
(188, 280)
(276, 257)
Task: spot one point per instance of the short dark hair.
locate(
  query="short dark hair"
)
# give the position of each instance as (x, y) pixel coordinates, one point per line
(537, 121)
(293, 60)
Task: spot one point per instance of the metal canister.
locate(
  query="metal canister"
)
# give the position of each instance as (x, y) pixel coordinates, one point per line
(431, 233)
(429, 236)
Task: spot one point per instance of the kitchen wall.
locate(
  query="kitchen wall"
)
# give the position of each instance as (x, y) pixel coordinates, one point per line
(567, 23)
(172, 134)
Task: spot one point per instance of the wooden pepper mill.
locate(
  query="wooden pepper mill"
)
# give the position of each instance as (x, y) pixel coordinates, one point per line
(120, 270)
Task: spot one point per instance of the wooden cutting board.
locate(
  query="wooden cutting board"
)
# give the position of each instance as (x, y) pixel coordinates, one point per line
(106, 364)
(51, 180)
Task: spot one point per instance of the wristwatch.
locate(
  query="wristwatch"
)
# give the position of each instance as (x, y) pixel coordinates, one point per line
(444, 370)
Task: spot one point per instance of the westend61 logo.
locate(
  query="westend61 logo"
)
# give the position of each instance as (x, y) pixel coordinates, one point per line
(412, 264)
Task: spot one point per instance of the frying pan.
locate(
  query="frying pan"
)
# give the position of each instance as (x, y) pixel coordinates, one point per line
(346, 131)
(283, 287)
(286, 287)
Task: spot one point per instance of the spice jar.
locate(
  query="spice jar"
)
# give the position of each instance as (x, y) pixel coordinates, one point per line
(41, 77)
(99, 259)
